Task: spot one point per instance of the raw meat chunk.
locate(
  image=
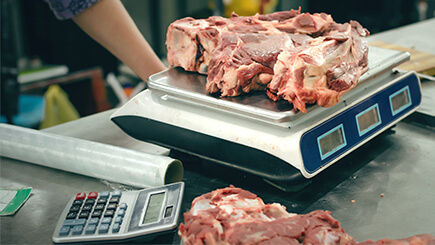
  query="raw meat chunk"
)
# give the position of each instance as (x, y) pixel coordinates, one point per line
(235, 216)
(300, 57)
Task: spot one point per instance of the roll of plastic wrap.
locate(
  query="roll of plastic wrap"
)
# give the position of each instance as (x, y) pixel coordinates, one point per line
(89, 158)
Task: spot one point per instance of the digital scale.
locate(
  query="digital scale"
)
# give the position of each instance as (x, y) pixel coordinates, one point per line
(266, 138)
(120, 215)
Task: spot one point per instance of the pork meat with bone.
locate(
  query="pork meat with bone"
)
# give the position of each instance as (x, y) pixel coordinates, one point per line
(235, 216)
(240, 54)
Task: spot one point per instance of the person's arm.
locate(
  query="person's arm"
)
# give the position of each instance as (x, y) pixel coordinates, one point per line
(109, 23)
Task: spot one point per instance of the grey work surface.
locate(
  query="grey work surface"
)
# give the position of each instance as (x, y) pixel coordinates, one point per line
(400, 164)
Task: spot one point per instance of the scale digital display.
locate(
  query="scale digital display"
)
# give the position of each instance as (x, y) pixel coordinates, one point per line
(152, 210)
(400, 100)
(368, 119)
(331, 141)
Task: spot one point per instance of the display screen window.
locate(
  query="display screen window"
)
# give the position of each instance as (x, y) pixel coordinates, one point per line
(153, 208)
(400, 100)
(331, 141)
(368, 119)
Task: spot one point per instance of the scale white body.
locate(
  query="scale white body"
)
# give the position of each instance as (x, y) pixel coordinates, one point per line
(253, 138)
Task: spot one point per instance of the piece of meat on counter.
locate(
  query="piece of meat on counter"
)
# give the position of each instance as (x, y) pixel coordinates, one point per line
(235, 216)
(299, 52)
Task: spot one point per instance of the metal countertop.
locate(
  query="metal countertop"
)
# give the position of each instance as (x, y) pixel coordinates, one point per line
(398, 164)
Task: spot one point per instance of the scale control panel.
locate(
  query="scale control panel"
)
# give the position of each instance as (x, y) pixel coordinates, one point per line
(344, 132)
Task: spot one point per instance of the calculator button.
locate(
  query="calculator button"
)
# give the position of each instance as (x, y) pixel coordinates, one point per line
(99, 207)
(104, 228)
(116, 227)
(78, 202)
(71, 215)
(102, 201)
(116, 193)
(123, 205)
(87, 208)
(64, 231)
(74, 208)
(74, 222)
(84, 215)
(114, 200)
(93, 195)
(90, 229)
(121, 213)
(97, 214)
(77, 230)
(104, 194)
(118, 220)
(93, 221)
(109, 213)
(81, 196)
(111, 206)
(106, 220)
(90, 202)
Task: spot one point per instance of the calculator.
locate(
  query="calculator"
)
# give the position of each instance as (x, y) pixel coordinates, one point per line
(120, 215)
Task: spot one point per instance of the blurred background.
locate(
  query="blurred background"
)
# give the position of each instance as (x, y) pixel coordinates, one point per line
(32, 38)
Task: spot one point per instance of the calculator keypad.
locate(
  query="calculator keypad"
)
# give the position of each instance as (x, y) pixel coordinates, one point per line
(94, 213)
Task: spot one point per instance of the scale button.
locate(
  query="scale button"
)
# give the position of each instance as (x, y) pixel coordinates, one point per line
(168, 212)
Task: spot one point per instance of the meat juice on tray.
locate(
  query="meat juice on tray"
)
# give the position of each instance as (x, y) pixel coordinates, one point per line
(299, 57)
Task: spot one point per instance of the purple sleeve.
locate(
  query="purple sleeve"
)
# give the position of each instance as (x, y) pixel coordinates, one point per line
(67, 9)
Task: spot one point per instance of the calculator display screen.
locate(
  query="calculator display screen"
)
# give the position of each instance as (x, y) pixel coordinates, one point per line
(153, 208)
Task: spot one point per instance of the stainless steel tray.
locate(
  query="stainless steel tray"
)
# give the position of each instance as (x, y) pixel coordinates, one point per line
(189, 87)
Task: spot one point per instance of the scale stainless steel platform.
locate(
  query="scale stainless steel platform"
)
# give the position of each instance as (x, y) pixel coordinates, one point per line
(266, 138)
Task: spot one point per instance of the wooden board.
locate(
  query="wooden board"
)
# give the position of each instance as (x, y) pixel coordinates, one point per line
(420, 61)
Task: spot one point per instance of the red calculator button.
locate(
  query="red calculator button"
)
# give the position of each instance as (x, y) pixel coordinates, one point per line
(81, 196)
(93, 195)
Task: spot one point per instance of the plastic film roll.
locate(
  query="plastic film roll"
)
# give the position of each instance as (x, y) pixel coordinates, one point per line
(89, 158)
